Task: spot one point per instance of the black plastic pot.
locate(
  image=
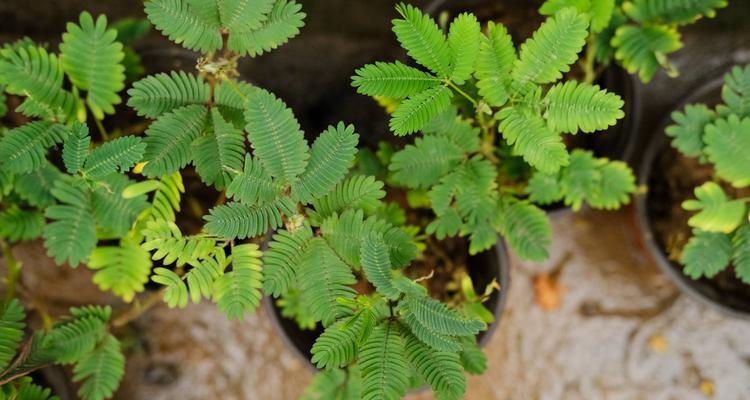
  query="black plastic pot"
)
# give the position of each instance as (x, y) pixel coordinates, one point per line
(659, 146)
(483, 268)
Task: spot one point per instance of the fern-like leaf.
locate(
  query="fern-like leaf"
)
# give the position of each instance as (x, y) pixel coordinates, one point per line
(422, 164)
(541, 147)
(716, 212)
(494, 64)
(284, 22)
(92, 59)
(615, 186)
(337, 346)
(36, 187)
(527, 230)
(203, 274)
(111, 210)
(159, 94)
(422, 39)
(687, 132)
(169, 138)
(736, 90)
(101, 370)
(572, 107)
(393, 80)
(442, 370)
(358, 192)
(726, 141)
(671, 11)
(171, 246)
(580, 178)
(706, 254)
(324, 278)
(463, 42)
(124, 269)
(741, 253)
(72, 235)
(18, 225)
(218, 152)
(24, 149)
(253, 185)
(276, 136)
(376, 264)
(331, 156)
(76, 148)
(552, 49)
(416, 111)
(238, 292)
(177, 20)
(384, 365)
(11, 331)
(644, 49)
(473, 358)
(280, 261)
(117, 155)
(237, 220)
(176, 294)
(75, 338)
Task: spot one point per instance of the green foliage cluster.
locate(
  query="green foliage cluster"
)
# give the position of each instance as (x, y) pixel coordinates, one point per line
(720, 137)
(81, 340)
(638, 34)
(460, 163)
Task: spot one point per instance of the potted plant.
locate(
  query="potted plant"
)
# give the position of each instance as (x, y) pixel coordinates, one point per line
(694, 217)
(102, 213)
(492, 124)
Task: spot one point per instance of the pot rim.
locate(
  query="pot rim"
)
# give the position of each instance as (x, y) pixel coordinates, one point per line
(655, 145)
(503, 267)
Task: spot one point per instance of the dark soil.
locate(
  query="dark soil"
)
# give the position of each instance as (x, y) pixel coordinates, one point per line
(672, 181)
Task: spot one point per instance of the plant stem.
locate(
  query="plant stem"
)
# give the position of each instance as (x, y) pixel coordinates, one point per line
(588, 62)
(461, 92)
(14, 269)
(138, 309)
(102, 131)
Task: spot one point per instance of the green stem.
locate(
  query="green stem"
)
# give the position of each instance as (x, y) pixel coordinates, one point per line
(588, 65)
(102, 131)
(461, 92)
(14, 269)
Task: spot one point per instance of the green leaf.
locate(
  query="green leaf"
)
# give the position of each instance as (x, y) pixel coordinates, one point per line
(544, 188)
(552, 49)
(572, 107)
(335, 384)
(253, 185)
(580, 178)
(240, 16)
(644, 49)
(36, 187)
(101, 370)
(416, 111)
(726, 143)
(736, 90)
(11, 331)
(24, 149)
(124, 269)
(37, 75)
(168, 140)
(706, 254)
(463, 42)
(671, 11)
(282, 258)
(92, 58)
(159, 94)
(459, 131)
(442, 370)
(687, 132)
(357, 192)
(76, 338)
(239, 291)
(527, 230)
(337, 346)
(178, 21)
(741, 253)
(111, 210)
(18, 225)
(440, 319)
(276, 136)
(76, 148)
(422, 164)
(423, 40)
(283, 23)
(218, 152)
(176, 294)
(72, 235)
(118, 155)
(616, 184)
(171, 246)
(331, 157)
(494, 64)
(376, 264)
(240, 221)
(428, 336)
(384, 366)
(393, 80)
(473, 358)
(204, 273)
(539, 145)
(600, 11)
(716, 212)
(324, 278)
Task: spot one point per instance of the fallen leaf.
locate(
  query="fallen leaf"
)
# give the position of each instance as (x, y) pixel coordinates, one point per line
(547, 291)
(707, 387)
(658, 343)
